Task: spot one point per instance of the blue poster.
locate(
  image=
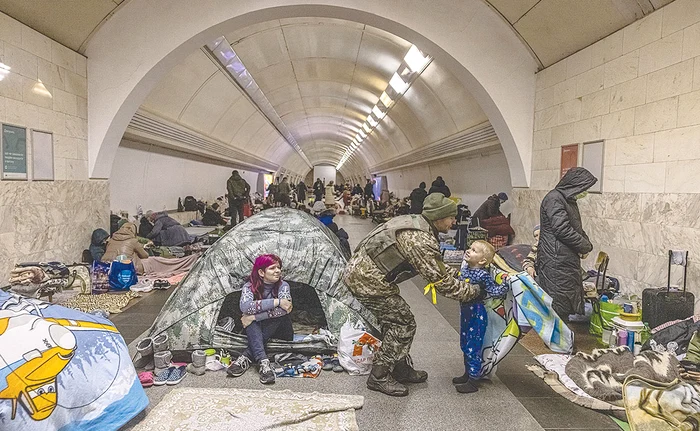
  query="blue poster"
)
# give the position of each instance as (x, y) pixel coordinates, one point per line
(14, 152)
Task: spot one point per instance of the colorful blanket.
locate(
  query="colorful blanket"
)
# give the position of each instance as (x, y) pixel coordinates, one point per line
(61, 369)
(535, 310)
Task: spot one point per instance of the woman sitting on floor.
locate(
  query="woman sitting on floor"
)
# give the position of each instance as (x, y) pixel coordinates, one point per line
(124, 242)
(266, 302)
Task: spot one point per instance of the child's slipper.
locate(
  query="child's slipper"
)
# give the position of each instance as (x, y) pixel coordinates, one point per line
(146, 379)
(176, 375)
(161, 377)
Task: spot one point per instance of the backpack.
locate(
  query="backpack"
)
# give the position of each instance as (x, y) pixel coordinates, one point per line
(190, 203)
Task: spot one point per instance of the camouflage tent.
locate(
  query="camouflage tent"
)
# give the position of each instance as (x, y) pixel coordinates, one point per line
(311, 257)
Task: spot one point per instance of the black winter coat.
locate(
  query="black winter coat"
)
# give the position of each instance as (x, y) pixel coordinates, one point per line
(417, 197)
(439, 186)
(562, 241)
(490, 208)
(301, 192)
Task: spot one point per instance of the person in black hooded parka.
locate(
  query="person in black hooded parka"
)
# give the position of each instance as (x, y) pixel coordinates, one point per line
(563, 243)
(417, 197)
(439, 186)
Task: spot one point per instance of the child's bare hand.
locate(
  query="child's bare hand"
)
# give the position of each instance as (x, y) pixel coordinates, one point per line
(286, 305)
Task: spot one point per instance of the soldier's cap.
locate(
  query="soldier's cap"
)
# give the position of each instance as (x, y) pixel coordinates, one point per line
(436, 206)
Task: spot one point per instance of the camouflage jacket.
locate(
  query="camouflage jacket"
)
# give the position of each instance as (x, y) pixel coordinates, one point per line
(421, 249)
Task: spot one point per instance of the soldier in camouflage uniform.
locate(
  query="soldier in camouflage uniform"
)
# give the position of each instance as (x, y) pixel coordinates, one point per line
(403, 247)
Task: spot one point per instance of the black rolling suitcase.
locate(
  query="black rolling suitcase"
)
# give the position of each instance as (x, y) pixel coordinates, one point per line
(663, 304)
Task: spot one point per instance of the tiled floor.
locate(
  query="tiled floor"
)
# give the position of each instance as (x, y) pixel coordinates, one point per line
(533, 397)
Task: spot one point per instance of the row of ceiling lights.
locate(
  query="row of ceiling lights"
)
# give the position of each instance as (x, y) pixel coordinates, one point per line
(413, 64)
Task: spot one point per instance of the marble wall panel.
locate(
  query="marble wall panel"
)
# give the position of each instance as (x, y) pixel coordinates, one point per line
(49, 220)
(623, 206)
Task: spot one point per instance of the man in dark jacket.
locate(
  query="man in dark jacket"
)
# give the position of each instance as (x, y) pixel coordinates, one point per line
(167, 231)
(490, 208)
(369, 190)
(417, 197)
(342, 237)
(563, 243)
(212, 217)
(439, 186)
(319, 190)
(238, 194)
(283, 191)
(301, 192)
(98, 244)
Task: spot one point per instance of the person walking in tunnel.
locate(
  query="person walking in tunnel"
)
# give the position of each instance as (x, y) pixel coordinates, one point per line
(439, 186)
(319, 190)
(238, 194)
(301, 192)
(563, 243)
(417, 197)
(395, 251)
(272, 189)
(283, 192)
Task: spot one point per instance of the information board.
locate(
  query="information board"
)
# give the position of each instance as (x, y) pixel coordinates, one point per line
(42, 156)
(14, 152)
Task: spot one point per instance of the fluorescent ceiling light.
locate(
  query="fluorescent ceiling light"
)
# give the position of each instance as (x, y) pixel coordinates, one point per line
(386, 100)
(415, 59)
(378, 113)
(363, 134)
(397, 84)
(372, 121)
(359, 138)
(366, 127)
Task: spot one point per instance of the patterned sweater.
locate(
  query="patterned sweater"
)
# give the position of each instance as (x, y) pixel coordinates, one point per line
(264, 308)
(482, 277)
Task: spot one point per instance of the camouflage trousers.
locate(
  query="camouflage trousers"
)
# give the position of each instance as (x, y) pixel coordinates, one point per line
(397, 324)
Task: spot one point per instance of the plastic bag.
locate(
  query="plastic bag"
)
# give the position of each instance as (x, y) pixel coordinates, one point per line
(122, 275)
(356, 349)
(99, 276)
(603, 314)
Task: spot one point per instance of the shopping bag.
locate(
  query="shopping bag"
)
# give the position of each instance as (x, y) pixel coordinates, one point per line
(356, 348)
(122, 275)
(603, 314)
(99, 277)
(247, 212)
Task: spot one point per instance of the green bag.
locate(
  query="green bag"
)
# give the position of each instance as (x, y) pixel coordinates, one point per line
(603, 314)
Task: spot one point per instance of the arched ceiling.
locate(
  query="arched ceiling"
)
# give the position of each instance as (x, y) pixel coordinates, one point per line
(322, 77)
(553, 29)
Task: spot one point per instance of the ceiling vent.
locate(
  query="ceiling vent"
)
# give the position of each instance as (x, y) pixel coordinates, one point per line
(146, 127)
(476, 138)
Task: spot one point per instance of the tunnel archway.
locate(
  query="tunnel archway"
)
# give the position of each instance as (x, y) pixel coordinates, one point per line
(476, 45)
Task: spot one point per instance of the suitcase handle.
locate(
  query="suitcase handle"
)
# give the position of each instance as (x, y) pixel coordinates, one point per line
(685, 270)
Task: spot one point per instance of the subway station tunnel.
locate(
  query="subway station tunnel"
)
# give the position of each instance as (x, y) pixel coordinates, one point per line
(151, 101)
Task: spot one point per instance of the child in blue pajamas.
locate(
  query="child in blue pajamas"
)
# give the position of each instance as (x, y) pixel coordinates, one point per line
(473, 317)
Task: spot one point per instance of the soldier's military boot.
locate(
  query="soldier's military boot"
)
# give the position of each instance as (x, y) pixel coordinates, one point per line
(405, 373)
(380, 380)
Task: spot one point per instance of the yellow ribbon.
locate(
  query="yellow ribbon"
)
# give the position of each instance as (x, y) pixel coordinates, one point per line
(428, 288)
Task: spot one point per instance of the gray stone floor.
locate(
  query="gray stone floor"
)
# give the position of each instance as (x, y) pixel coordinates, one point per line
(514, 400)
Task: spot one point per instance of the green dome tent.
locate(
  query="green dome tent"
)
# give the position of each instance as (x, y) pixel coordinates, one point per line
(312, 263)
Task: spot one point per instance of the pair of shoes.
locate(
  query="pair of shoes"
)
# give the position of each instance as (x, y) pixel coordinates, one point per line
(146, 379)
(381, 380)
(199, 363)
(238, 367)
(147, 348)
(142, 287)
(170, 376)
(337, 368)
(468, 387)
(405, 373)
(267, 374)
(161, 284)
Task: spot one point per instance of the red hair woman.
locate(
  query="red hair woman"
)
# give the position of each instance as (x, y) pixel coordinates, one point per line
(265, 303)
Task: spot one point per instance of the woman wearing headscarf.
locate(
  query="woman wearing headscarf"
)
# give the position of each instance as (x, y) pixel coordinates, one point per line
(563, 242)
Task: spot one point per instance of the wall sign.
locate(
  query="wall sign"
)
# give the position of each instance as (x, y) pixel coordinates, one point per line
(569, 158)
(14, 152)
(42, 156)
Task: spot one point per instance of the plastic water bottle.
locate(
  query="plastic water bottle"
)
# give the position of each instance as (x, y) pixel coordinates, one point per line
(622, 337)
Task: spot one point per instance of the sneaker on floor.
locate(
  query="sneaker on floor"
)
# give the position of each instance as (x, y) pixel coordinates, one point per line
(176, 375)
(239, 366)
(267, 374)
(160, 377)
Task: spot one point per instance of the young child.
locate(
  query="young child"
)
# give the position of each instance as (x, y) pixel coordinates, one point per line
(265, 303)
(473, 315)
(531, 259)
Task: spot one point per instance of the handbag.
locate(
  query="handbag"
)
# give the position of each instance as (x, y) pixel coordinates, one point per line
(247, 212)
